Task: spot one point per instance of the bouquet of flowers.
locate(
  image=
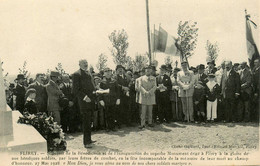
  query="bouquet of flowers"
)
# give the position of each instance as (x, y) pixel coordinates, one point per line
(49, 129)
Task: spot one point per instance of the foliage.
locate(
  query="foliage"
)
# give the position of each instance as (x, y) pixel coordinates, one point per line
(212, 50)
(60, 69)
(24, 70)
(119, 40)
(102, 62)
(187, 38)
(140, 62)
(49, 129)
(168, 60)
(128, 63)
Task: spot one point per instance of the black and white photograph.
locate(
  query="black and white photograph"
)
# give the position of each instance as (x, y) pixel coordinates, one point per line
(129, 82)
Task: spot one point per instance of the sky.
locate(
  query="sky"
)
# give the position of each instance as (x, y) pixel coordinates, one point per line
(47, 32)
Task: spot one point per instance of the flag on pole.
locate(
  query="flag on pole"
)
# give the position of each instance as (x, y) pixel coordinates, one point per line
(252, 50)
(154, 43)
(162, 41)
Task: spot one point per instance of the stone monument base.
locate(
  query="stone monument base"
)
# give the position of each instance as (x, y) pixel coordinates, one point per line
(25, 138)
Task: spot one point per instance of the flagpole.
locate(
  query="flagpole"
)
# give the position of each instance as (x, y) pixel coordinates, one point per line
(148, 30)
(154, 54)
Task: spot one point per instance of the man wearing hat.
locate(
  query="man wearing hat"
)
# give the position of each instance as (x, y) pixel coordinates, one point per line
(164, 85)
(186, 82)
(110, 100)
(201, 76)
(19, 93)
(211, 66)
(41, 94)
(147, 87)
(54, 93)
(83, 90)
(124, 107)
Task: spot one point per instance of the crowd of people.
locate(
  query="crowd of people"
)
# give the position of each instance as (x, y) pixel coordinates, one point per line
(87, 101)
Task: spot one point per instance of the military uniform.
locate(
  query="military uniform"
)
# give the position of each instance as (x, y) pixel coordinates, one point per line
(186, 82)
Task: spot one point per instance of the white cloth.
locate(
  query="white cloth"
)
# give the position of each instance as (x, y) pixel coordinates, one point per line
(211, 85)
(211, 110)
(30, 99)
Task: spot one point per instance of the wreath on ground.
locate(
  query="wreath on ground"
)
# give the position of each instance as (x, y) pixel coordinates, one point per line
(49, 129)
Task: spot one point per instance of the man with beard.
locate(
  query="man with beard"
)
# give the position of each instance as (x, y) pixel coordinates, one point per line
(83, 90)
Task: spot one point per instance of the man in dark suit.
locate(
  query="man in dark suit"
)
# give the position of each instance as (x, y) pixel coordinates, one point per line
(164, 85)
(83, 90)
(246, 93)
(111, 99)
(124, 107)
(68, 111)
(19, 93)
(201, 74)
(230, 85)
(256, 89)
(41, 94)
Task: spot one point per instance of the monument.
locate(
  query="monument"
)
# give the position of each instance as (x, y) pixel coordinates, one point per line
(6, 124)
(16, 137)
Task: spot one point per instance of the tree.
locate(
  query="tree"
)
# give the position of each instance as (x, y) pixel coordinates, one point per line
(102, 60)
(60, 69)
(168, 60)
(212, 50)
(128, 63)
(187, 38)
(24, 70)
(140, 62)
(120, 45)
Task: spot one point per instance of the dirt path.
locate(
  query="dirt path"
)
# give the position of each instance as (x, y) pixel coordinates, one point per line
(172, 137)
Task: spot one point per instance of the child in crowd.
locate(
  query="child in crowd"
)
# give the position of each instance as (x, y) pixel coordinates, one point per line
(212, 93)
(199, 102)
(30, 105)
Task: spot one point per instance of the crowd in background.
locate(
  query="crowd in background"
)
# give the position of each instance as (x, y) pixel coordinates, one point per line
(201, 94)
